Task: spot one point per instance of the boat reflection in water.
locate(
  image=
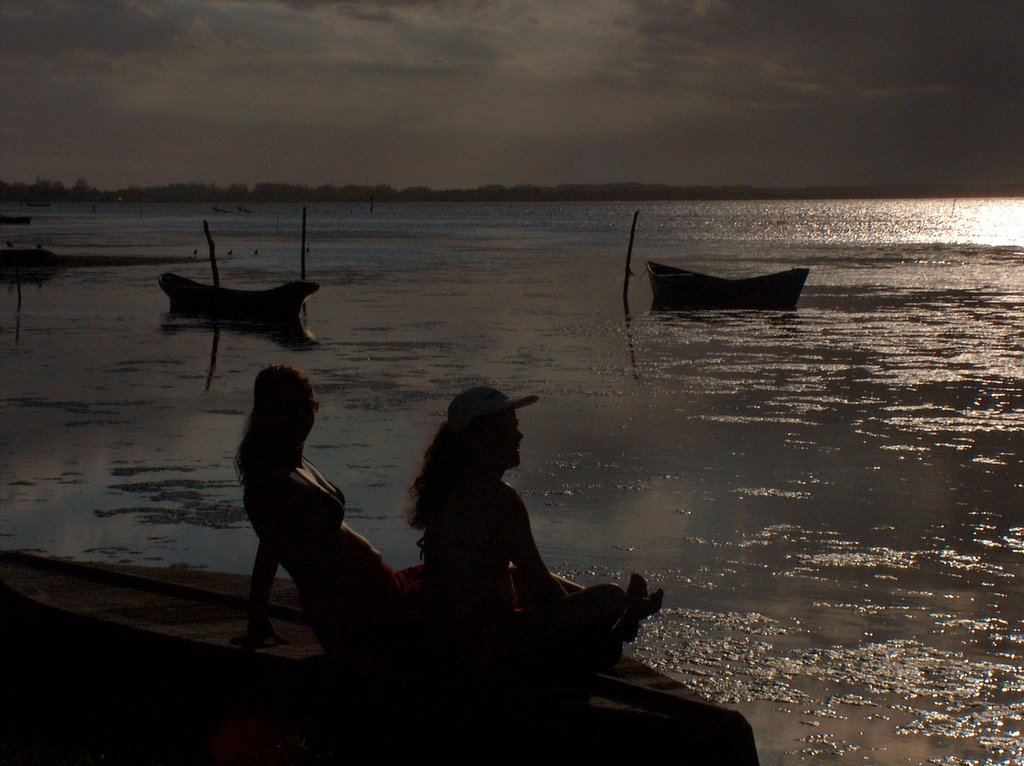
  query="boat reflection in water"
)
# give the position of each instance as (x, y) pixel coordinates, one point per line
(26, 267)
(30, 275)
(293, 334)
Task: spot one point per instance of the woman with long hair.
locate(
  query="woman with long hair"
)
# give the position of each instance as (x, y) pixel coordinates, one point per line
(356, 603)
(486, 587)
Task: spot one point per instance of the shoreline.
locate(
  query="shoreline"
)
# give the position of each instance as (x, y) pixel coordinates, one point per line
(42, 258)
(42, 194)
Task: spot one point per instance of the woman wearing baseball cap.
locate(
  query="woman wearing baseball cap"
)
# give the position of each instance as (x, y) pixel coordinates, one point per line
(486, 588)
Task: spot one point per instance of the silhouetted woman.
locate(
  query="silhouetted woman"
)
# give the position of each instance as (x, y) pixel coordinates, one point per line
(487, 591)
(357, 605)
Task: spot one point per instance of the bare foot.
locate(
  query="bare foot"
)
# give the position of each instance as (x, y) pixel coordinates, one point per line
(639, 604)
(637, 588)
(639, 601)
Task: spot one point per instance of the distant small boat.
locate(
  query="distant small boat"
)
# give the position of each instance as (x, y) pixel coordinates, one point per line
(15, 219)
(680, 288)
(274, 305)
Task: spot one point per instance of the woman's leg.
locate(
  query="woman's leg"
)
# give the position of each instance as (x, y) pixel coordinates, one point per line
(573, 634)
(583, 631)
(639, 604)
(582, 612)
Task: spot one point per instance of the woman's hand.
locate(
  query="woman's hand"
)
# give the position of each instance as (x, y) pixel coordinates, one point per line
(259, 633)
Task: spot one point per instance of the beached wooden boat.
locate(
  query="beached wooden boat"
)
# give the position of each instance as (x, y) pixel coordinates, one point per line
(22, 257)
(680, 288)
(19, 219)
(276, 304)
(135, 645)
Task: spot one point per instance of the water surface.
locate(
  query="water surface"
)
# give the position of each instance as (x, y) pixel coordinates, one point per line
(830, 496)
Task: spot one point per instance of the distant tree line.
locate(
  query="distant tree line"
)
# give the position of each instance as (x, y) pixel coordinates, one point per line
(43, 191)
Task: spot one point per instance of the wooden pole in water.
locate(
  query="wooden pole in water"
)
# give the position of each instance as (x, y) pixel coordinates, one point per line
(213, 356)
(213, 255)
(17, 278)
(303, 243)
(629, 257)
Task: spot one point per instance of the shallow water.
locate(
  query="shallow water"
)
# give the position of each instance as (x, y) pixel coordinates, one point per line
(831, 496)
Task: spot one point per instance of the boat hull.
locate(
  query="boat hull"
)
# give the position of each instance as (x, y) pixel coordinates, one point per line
(274, 305)
(134, 641)
(683, 289)
(25, 257)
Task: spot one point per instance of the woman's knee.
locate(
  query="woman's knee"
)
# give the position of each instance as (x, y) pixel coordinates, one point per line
(609, 597)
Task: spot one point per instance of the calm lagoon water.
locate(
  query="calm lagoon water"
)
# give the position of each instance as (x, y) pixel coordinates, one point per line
(831, 497)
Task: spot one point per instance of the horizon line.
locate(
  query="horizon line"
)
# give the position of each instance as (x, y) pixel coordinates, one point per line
(43, 190)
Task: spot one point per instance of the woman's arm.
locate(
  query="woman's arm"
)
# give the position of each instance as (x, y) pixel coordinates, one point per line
(264, 570)
(531, 571)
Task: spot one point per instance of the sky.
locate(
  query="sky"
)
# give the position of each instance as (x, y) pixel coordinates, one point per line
(465, 93)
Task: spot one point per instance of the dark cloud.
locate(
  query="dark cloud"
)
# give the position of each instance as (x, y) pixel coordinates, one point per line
(458, 93)
(837, 47)
(106, 28)
(865, 92)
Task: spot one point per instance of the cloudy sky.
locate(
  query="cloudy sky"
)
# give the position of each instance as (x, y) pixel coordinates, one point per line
(462, 93)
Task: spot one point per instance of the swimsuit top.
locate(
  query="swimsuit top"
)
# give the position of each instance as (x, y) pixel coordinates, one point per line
(345, 587)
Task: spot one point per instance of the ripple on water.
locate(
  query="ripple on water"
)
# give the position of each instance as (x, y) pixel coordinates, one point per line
(181, 501)
(734, 658)
(1014, 539)
(136, 470)
(948, 688)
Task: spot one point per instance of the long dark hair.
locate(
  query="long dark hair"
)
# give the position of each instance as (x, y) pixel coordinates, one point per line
(443, 466)
(260, 449)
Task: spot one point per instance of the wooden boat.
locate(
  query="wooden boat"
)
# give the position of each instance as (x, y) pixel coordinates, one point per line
(27, 257)
(135, 646)
(679, 288)
(29, 266)
(276, 304)
(22, 219)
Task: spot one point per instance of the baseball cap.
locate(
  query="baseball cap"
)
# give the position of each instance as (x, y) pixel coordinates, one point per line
(478, 401)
